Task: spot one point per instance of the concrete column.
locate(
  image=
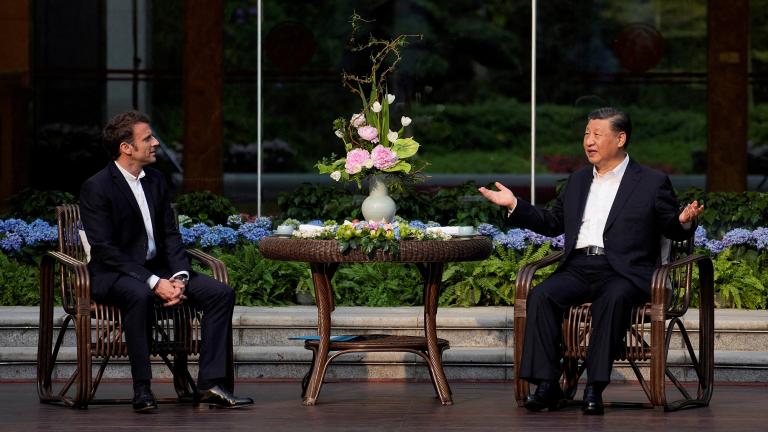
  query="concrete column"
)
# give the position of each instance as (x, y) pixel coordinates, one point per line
(727, 95)
(202, 85)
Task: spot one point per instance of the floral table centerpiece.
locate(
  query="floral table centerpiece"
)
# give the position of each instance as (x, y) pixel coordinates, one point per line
(373, 149)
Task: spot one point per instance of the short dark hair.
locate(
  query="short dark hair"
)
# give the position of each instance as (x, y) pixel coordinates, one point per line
(619, 120)
(120, 129)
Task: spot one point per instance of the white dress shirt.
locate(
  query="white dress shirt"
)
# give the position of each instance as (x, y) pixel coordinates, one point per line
(602, 192)
(138, 192)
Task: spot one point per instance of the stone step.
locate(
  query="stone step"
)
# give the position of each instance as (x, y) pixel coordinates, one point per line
(462, 363)
(736, 330)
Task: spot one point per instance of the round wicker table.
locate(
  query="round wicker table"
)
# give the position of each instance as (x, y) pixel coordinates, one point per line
(324, 258)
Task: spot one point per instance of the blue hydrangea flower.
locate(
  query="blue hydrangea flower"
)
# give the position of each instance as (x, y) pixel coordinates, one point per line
(736, 237)
(11, 242)
(12, 225)
(253, 233)
(487, 229)
(417, 224)
(227, 236)
(396, 229)
(187, 237)
(559, 241)
(39, 231)
(760, 238)
(210, 239)
(700, 238)
(265, 222)
(315, 222)
(432, 224)
(199, 230)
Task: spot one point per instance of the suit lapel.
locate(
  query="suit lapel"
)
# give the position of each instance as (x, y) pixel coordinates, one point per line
(628, 183)
(122, 185)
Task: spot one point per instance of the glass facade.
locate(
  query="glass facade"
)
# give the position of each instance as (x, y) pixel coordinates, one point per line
(465, 81)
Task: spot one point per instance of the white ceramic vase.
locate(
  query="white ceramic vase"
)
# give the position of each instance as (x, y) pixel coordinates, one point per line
(378, 207)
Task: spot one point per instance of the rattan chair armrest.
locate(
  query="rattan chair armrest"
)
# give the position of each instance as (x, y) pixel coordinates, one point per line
(80, 279)
(661, 274)
(217, 267)
(526, 273)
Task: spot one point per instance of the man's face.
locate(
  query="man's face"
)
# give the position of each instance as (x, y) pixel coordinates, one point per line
(603, 146)
(144, 145)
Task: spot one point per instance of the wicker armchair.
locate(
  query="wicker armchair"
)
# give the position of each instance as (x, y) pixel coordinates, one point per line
(648, 339)
(97, 328)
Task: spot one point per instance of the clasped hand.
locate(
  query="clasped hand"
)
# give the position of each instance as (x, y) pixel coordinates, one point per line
(170, 291)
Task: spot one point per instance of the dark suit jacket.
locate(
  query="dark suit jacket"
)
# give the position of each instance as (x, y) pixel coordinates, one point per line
(645, 208)
(115, 228)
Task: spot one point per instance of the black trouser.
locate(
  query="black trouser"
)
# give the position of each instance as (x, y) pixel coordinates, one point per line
(215, 299)
(582, 279)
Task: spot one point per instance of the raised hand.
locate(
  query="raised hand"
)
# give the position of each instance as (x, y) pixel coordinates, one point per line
(691, 212)
(503, 197)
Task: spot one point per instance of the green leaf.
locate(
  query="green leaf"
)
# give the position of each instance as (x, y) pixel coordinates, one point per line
(405, 147)
(400, 166)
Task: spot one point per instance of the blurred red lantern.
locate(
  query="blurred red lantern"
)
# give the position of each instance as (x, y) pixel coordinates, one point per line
(639, 47)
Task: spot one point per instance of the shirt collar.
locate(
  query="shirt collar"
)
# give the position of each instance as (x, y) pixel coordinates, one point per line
(616, 172)
(128, 176)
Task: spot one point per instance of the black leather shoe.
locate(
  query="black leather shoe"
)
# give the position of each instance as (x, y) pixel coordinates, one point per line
(143, 399)
(547, 395)
(593, 400)
(217, 397)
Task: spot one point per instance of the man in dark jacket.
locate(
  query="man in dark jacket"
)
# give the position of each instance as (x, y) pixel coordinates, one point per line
(138, 258)
(613, 214)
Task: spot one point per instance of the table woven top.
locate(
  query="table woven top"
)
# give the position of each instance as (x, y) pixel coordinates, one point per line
(414, 251)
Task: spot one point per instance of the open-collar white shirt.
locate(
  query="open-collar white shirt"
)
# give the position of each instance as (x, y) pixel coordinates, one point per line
(602, 192)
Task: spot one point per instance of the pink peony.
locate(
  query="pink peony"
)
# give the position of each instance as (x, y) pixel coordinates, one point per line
(383, 157)
(356, 159)
(368, 133)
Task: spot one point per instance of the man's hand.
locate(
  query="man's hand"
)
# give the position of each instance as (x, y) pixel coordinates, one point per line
(691, 212)
(171, 292)
(503, 197)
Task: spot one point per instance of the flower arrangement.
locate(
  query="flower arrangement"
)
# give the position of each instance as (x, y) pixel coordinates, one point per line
(370, 144)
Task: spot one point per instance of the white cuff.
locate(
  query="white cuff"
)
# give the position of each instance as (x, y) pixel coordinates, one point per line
(152, 281)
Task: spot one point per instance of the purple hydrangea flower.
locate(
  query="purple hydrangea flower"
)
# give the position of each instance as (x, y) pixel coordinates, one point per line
(736, 237)
(487, 229)
(700, 238)
(715, 246)
(559, 241)
(760, 238)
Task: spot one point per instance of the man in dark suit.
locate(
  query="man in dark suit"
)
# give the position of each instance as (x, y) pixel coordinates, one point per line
(613, 214)
(138, 259)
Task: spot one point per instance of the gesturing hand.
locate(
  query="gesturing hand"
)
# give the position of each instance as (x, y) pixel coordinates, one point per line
(503, 197)
(691, 212)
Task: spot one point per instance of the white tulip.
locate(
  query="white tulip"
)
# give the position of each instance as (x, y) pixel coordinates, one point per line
(376, 107)
(336, 175)
(405, 121)
(339, 133)
(390, 98)
(392, 136)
